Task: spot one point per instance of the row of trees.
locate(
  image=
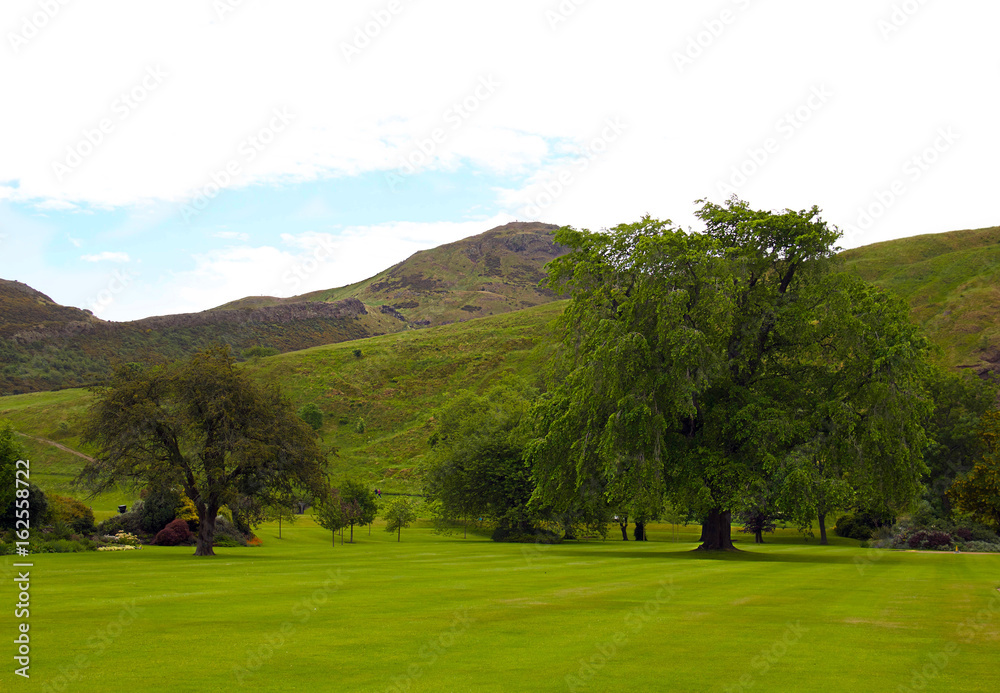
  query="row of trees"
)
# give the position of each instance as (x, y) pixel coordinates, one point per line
(733, 372)
(730, 371)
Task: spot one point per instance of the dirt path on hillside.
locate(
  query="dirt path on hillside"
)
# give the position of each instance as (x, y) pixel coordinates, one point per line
(58, 445)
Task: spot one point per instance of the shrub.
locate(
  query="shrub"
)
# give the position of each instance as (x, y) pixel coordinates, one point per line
(125, 539)
(938, 540)
(74, 513)
(126, 522)
(58, 546)
(963, 533)
(159, 508)
(227, 531)
(929, 540)
(38, 503)
(850, 527)
(176, 532)
(531, 536)
(981, 546)
(188, 512)
(224, 540)
(984, 534)
(312, 415)
(259, 352)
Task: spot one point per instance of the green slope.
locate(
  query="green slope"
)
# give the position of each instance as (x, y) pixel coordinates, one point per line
(951, 282)
(395, 386)
(45, 346)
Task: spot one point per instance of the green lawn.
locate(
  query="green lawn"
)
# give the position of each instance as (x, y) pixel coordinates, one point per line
(440, 613)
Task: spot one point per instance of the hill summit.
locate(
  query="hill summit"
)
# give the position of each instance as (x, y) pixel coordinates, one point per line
(494, 272)
(46, 346)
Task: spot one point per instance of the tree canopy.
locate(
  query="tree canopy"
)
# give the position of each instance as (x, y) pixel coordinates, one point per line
(978, 493)
(478, 466)
(10, 452)
(702, 365)
(203, 425)
(360, 506)
(398, 515)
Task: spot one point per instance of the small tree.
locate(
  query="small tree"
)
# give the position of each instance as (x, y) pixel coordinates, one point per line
(399, 514)
(329, 513)
(359, 504)
(312, 415)
(282, 509)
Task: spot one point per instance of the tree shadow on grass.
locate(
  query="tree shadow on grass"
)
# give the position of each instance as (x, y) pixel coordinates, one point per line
(734, 556)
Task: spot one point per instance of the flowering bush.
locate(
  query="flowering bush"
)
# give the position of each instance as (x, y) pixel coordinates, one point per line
(119, 547)
(123, 537)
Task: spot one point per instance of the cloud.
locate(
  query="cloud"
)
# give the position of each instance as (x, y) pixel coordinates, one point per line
(309, 261)
(56, 205)
(106, 256)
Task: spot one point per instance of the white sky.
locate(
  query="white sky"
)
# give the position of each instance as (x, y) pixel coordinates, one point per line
(582, 112)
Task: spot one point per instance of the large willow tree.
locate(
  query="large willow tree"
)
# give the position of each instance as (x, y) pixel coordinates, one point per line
(699, 365)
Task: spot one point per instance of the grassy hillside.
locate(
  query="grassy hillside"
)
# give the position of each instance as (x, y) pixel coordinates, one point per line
(952, 283)
(394, 387)
(57, 355)
(23, 309)
(45, 346)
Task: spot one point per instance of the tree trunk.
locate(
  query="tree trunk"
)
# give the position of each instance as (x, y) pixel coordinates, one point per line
(640, 531)
(716, 531)
(334, 538)
(279, 525)
(822, 530)
(206, 531)
(624, 527)
(399, 532)
(758, 536)
(352, 534)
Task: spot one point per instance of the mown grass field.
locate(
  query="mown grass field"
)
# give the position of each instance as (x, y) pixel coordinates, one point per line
(442, 613)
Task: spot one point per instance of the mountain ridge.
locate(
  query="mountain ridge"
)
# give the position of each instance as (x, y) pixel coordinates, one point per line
(46, 346)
